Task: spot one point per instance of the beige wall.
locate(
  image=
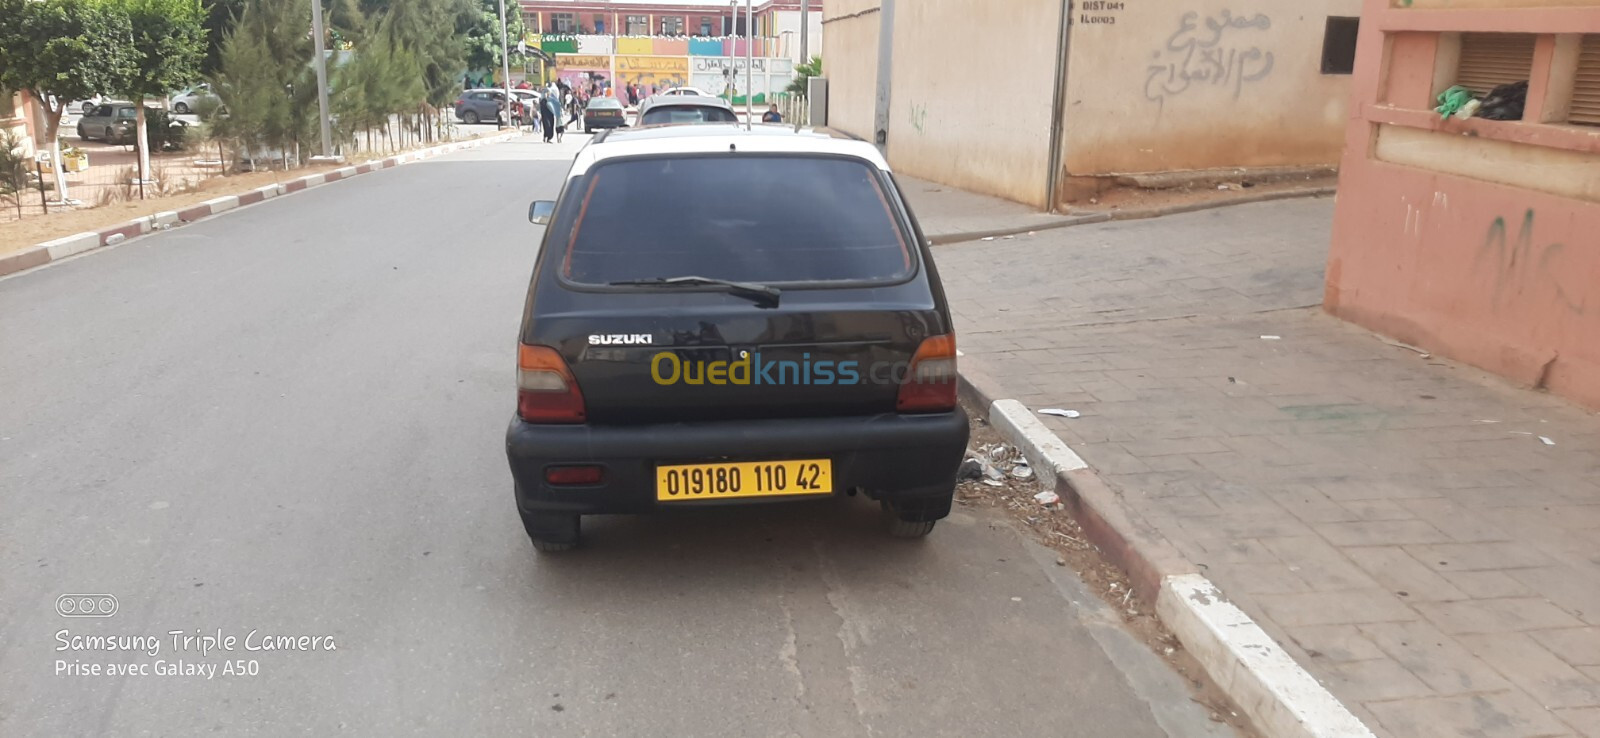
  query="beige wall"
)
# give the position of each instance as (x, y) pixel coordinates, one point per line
(971, 96)
(851, 64)
(1199, 84)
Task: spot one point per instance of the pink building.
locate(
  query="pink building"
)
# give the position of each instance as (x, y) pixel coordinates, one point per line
(1473, 238)
(622, 18)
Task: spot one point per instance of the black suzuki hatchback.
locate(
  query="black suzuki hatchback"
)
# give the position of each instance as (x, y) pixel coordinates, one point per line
(720, 315)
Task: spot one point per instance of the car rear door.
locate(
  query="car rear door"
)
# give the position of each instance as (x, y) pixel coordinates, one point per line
(856, 302)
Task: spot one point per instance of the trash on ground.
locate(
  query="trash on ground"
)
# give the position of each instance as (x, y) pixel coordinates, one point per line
(1060, 413)
(992, 483)
(1546, 440)
(1016, 599)
(1022, 471)
(1047, 497)
(1272, 338)
(1505, 102)
(970, 469)
(1486, 421)
(988, 238)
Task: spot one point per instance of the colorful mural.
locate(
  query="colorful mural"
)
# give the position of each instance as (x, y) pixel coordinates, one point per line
(653, 45)
(723, 75)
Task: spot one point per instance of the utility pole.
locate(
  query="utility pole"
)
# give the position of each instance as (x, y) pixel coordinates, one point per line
(805, 31)
(749, 56)
(505, 64)
(322, 81)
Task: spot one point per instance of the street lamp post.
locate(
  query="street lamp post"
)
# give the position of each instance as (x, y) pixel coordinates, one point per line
(505, 62)
(749, 41)
(322, 81)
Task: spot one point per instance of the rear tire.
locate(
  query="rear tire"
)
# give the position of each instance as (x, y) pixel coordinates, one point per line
(899, 527)
(551, 532)
(470, 118)
(180, 108)
(82, 134)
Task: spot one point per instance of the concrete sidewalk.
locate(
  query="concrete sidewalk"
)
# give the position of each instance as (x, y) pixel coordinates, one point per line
(1397, 522)
(948, 214)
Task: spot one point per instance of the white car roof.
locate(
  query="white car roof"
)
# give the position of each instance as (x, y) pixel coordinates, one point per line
(712, 138)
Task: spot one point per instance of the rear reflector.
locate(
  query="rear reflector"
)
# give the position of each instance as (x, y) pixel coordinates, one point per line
(587, 474)
(930, 385)
(546, 391)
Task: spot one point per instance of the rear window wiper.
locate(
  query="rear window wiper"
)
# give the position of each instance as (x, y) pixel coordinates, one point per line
(762, 294)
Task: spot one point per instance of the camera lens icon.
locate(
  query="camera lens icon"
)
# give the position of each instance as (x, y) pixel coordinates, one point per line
(86, 605)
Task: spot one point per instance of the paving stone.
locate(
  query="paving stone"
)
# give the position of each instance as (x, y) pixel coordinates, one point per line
(1494, 715)
(1577, 646)
(1540, 673)
(1393, 568)
(1335, 643)
(1585, 720)
(1377, 510)
(1380, 532)
(1574, 591)
(1324, 566)
(1437, 659)
(1372, 680)
(1327, 608)
(1509, 615)
(1486, 584)
(1454, 520)
(1478, 556)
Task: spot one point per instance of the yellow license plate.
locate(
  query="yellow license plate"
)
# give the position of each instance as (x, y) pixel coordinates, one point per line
(745, 479)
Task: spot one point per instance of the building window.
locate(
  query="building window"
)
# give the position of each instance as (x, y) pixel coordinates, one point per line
(672, 25)
(563, 23)
(1339, 45)
(599, 23)
(705, 25)
(1489, 60)
(638, 25)
(1586, 88)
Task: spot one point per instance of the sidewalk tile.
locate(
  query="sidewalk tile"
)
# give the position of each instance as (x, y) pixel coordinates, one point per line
(1436, 659)
(1578, 646)
(1478, 556)
(1571, 591)
(1380, 533)
(1403, 575)
(1329, 608)
(1324, 566)
(1586, 720)
(1551, 681)
(1494, 715)
(1496, 616)
(1374, 680)
(1335, 643)
(1454, 520)
(1486, 585)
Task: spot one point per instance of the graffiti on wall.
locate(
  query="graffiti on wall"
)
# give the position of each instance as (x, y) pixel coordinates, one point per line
(1216, 52)
(1525, 268)
(919, 117)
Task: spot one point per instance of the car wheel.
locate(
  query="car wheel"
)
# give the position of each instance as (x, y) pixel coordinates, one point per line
(470, 118)
(82, 134)
(181, 108)
(111, 136)
(551, 532)
(903, 522)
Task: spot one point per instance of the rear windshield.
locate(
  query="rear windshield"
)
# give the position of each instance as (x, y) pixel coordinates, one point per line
(688, 114)
(751, 218)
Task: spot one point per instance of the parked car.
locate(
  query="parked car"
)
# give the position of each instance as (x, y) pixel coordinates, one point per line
(476, 106)
(115, 123)
(194, 98)
(530, 99)
(110, 122)
(783, 339)
(661, 110)
(695, 91)
(603, 112)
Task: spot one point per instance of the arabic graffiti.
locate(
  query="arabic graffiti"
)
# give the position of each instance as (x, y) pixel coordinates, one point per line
(1196, 56)
(919, 117)
(1524, 268)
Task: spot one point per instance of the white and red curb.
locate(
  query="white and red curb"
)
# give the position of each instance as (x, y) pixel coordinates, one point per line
(69, 246)
(1281, 699)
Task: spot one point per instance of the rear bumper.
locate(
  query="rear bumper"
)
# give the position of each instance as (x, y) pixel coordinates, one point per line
(604, 123)
(895, 457)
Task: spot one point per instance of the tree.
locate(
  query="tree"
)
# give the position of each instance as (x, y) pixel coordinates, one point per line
(61, 51)
(265, 77)
(168, 43)
(804, 72)
(483, 34)
(220, 17)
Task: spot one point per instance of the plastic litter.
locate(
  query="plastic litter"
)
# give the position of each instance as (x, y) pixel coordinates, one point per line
(1546, 440)
(1060, 413)
(1451, 101)
(1022, 471)
(1272, 338)
(987, 238)
(1047, 497)
(992, 483)
(1505, 102)
(970, 469)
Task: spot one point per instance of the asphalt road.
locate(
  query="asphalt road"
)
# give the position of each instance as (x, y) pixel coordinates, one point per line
(289, 420)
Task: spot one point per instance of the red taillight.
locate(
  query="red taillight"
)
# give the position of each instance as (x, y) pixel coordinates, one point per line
(930, 384)
(573, 475)
(546, 391)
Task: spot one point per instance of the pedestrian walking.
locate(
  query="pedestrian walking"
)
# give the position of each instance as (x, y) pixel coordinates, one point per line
(548, 110)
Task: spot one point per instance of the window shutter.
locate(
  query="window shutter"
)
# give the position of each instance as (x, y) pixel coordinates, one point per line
(1489, 60)
(1586, 85)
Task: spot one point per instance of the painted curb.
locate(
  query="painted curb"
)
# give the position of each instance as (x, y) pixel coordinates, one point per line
(1281, 699)
(1141, 213)
(939, 239)
(41, 254)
